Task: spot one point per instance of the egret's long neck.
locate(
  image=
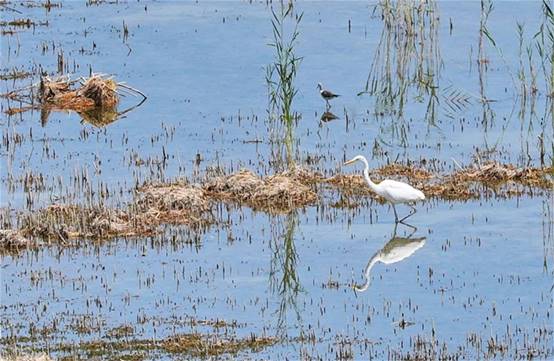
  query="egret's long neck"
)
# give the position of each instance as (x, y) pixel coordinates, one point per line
(374, 187)
(376, 258)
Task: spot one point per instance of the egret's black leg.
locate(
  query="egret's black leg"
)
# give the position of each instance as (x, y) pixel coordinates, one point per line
(395, 214)
(414, 229)
(414, 210)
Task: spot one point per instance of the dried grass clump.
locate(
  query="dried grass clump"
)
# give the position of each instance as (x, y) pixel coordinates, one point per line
(192, 345)
(36, 357)
(239, 186)
(13, 240)
(174, 203)
(278, 193)
(349, 183)
(49, 89)
(407, 171)
(304, 176)
(95, 91)
(101, 90)
(200, 345)
(461, 185)
(282, 193)
(448, 191)
(500, 173)
(95, 99)
(63, 222)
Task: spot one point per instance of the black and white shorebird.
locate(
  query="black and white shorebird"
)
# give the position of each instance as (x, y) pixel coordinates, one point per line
(326, 94)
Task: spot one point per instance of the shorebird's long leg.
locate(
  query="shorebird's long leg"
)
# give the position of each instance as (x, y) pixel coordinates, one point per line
(414, 210)
(395, 214)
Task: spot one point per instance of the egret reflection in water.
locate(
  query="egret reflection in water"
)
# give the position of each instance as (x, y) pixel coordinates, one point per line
(396, 250)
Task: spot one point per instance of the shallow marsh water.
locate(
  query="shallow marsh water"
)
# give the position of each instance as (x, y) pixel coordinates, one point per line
(483, 273)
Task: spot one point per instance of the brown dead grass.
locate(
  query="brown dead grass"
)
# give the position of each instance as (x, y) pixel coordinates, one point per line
(410, 172)
(465, 184)
(95, 98)
(239, 186)
(95, 91)
(35, 357)
(190, 344)
(278, 193)
(177, 203)
(200, 345)
(493, 172)
(12, 240)
(64, 222)
(191, 205)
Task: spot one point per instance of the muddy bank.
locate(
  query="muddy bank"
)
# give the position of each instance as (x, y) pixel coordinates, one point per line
(183, 203)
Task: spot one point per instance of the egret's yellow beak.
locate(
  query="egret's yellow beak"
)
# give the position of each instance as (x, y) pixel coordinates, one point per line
(349, 162)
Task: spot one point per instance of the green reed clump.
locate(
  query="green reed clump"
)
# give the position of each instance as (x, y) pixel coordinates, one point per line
(280, 76)
(282, 72)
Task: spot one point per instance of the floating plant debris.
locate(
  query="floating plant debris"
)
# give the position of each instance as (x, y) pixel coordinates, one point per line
(14, 74)
(23, 23)
(95, 98)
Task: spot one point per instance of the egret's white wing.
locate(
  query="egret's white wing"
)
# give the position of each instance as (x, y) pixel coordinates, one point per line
(401, 192)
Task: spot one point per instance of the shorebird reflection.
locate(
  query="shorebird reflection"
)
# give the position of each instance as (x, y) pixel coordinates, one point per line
(327, 116)
(396, 249)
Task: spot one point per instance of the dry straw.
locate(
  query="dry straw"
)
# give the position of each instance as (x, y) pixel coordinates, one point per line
(192, 204)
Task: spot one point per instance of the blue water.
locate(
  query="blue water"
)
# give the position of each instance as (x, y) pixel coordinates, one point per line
(205, 82)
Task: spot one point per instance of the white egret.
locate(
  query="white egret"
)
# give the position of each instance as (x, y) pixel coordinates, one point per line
(326, 94)
(397, 249)
(393, 191)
